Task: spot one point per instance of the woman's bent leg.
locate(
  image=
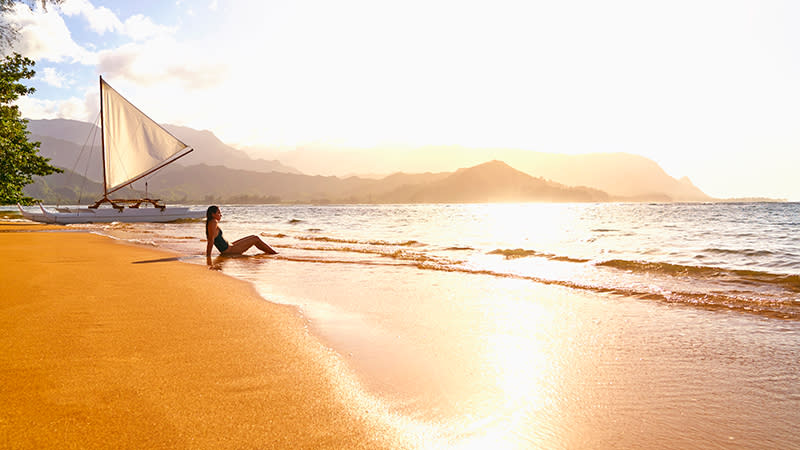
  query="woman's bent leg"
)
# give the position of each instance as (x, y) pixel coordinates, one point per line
(261, 245)
(241, 245)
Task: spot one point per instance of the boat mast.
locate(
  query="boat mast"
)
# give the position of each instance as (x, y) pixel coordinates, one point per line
(103, 141)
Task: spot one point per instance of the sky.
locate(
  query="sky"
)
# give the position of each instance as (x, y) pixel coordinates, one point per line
(709, 89)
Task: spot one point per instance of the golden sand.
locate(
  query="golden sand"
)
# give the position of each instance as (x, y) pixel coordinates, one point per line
(28, 226)
(108, 345)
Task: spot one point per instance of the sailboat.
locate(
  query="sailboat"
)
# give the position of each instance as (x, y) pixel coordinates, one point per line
(133, 147)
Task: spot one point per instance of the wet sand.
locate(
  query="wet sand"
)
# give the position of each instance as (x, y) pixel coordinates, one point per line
(488, 362)
(104, 344)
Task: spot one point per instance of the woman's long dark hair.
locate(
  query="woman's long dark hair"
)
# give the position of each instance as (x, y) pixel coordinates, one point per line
(213, 209)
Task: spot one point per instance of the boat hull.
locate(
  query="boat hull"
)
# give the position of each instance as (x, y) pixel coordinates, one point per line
(65, 216)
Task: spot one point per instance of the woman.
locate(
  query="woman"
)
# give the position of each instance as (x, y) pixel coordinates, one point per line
(214, 238)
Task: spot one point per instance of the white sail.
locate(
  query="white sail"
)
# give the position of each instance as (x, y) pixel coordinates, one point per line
(134, 143)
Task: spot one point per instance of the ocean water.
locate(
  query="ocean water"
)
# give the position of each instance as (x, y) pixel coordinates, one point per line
(735, 256)
(541, 325)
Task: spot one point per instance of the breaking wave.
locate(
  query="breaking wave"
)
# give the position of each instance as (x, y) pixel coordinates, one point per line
(408, 243)
(522, 253)
(789, 282)
(708, 287)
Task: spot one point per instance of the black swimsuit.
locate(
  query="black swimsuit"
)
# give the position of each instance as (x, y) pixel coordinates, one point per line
(220, 242)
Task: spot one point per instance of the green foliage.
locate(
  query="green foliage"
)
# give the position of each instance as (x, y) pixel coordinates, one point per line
(19, 158)
(68, 188)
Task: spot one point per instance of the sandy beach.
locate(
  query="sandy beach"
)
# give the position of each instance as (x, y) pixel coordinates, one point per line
(104, 344)
(107, 345)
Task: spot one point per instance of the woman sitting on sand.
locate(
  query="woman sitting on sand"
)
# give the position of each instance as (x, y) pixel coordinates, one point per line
(213, 215)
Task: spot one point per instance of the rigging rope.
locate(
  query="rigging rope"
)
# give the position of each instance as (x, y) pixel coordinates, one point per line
(89, 138)
(89, 158)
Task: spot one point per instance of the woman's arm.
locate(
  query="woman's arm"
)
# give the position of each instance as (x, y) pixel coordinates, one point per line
(211, 233)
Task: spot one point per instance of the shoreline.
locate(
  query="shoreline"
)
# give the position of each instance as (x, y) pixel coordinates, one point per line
(166, 355)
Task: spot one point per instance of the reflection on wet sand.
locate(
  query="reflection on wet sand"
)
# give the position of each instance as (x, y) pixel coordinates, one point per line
(513, 364)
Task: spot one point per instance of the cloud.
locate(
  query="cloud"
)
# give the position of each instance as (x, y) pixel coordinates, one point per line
(162, 61)
(71, 108)
(139, 28)
(44, 35)
(53, 77)
(101, 19)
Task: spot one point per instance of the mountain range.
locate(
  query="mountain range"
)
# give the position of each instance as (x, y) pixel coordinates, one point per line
(493, 181)
(216, 172)
(623, 176)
